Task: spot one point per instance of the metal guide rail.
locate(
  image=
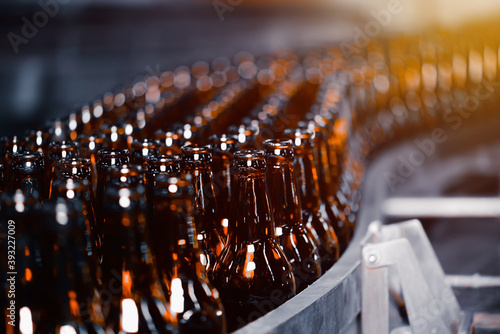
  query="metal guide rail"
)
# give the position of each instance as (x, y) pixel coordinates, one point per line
(333, 304)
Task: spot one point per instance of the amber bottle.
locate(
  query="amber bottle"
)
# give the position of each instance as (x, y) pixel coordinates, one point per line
(106, 159)
(68, 263)
(197, 164)
(224, 147)
(28, 170)
(195, 304)
(57, 151)
(308, 188)
(136, 302)
(297, 242)
(252, 274)
(329, 205)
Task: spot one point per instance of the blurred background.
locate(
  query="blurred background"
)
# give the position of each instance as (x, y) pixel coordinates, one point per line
(79, 50)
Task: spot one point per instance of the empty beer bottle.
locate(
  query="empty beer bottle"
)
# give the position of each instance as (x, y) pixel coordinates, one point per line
(76, 190)
(308, 188)
(57, 151)
(76, 168)
(329, 205)
(142, 150)
(252, 275)
(194, 302)
(106, 159)
(28, 169)
(89, 146)
(137, 303)
(157, 165)
(197, 163)
(224, 147)
(296, 241)
(170, 142)
(74, 299)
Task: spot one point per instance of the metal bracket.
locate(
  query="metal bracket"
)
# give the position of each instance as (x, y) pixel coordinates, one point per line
(415, 274)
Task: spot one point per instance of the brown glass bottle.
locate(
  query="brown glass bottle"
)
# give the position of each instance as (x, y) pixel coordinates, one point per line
(246, 136)
(194, 302)
(158, 165)
(142, 150)
(74, 299)
(77, 190)
(197, 164)
(76, 168)
(106, 159)
(224, 147)
(137, 303)
(57, 151)
(170, 142)
(329, 205)
(308, 187)
(89, 146)
(252, 274)
(297, 242)
(28, 170)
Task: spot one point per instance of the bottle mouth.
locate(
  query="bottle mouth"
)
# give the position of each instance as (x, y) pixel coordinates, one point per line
(249, 161)
(172, 185)
(108, 154)
(28, 162)
(74, 167)
(71, 184)
(127, 171)
(196, 154)
(300, 136)
(166, 163)
(74, 163)
(138, 145)
(62, 145)
(63, 149)
(224, 142)
(279, 148)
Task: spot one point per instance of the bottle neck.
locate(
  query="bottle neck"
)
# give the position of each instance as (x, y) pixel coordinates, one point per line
(29, 184)
(307, 179)
(125, 241)
(324, 173)
(253, 218)
(283, 192)
(204, 202)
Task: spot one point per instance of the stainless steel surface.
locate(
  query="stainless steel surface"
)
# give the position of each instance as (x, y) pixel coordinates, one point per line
(441, 207)
(430, 302)
(475, 281)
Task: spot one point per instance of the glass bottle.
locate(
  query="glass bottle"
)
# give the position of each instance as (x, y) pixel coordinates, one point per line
(329, 205)
(136, 303)
(197, 164)
(73, 290)
(77, 190)
(28, 169)
(308, 188)
(224, 146)
(106, 159)
(195, 304)
(252, 275)
(142, 150)
(158, 165)
(57, 151)
(296, 241)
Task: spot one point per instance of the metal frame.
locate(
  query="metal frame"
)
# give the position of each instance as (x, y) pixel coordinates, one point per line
(430, 302)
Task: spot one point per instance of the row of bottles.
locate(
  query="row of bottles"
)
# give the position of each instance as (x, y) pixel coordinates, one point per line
(199, 199)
